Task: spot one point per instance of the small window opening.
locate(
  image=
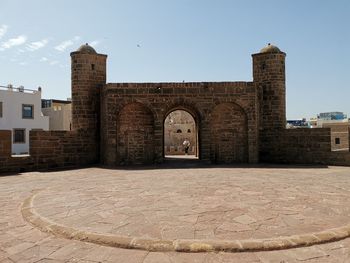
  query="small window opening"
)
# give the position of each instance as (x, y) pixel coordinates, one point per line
(178, 131)
(92, 66)
(27, 111)
(189, 131)
(19, 136)
(337, 140)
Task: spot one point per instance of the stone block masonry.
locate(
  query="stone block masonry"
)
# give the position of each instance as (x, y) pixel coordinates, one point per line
(304, 146)
(133, 115)
(49, 149)
(123, 123)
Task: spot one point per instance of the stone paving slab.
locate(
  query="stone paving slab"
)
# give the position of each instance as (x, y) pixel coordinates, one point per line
(20, 242)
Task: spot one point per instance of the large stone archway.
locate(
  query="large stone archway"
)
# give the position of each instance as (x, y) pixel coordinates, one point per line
(228, 134)
(227, 110)
(135, 133)
(180, 125)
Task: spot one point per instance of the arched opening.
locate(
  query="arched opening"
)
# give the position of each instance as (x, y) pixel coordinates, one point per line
(229, 134)
(135, 133)
(181, 135)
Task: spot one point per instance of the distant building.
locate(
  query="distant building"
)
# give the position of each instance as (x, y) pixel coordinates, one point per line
(331, 117)
(313, 122)
(59, 113)
(297, 123)
(20, 112)
(335, 115)
(339, 125)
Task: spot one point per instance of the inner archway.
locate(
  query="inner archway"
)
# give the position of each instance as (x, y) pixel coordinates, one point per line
(180, 135)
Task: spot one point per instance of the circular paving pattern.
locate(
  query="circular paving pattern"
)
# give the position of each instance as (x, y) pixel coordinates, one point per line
(226, 209)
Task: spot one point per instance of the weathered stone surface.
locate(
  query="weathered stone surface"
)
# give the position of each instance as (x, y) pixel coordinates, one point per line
(123, 123)
(323, 189)
(55, 210)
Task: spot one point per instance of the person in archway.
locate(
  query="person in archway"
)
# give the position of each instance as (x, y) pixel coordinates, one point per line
(186, 144)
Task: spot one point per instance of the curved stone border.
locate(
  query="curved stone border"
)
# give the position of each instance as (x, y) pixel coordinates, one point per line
(181, 245)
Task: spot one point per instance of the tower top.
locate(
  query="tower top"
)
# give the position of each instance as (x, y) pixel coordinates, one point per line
(86, 49)
(270, 49)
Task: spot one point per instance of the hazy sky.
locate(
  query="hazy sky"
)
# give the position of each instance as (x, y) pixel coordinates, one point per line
(191, 40)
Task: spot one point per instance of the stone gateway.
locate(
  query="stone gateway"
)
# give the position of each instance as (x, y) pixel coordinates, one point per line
(123, 123)
(234, 119)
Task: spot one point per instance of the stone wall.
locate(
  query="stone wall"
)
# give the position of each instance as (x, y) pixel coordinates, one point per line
(339, 135)
(48, 150)
(199, 99)
(135, 135)
(229, 134)
(123, 123)
(304, 146)
(340, 157)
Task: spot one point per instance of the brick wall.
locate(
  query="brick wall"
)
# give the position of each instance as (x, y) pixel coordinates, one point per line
(199, 99)
(304, 146)
(340, 158)
(298, 146)
(339, 135)
(229, 134)
(135, 135)
(123, 123)
(49, 149)
(5, 144)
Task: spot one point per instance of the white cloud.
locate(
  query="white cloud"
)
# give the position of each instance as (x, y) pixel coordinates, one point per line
(43, 59)
(95, 43)
(17, 41)
(37, 45)
(23, 63)
(54, 62)
(3, 30)
(62, 47)
(65, 44)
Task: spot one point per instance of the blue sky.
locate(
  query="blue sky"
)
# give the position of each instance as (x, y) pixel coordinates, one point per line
(191, 40)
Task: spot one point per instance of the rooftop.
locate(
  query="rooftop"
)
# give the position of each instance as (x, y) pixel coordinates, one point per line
(86, 49)
(21, 89)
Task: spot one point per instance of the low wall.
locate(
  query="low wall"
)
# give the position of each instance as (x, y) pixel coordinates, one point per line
(59, 149)
(305, 146)
(50, 149)
(339, 135)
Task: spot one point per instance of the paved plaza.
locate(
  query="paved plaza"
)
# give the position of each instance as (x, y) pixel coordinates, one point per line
(197, 214)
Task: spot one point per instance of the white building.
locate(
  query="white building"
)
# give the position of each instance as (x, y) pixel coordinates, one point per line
(20, 112)
(59, 113)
